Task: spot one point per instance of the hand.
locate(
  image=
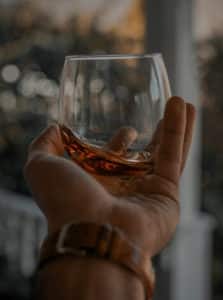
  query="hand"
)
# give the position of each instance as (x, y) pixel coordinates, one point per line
(149, 210)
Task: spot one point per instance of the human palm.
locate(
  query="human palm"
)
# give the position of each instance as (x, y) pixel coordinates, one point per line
(146, 209)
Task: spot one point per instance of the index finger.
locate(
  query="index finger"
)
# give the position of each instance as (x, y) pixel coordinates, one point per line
(169, 157)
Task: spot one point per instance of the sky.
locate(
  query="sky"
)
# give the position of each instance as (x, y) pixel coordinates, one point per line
(208, 18)
(107, 12)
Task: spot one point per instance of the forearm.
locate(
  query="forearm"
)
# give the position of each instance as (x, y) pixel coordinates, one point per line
(71, 278)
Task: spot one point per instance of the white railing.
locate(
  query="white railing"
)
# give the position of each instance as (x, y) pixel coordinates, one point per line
(22, 228)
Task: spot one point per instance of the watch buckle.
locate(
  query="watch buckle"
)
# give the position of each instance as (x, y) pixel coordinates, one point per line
(60, 245)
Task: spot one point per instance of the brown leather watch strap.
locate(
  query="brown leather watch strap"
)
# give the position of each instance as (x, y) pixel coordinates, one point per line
(104, 241)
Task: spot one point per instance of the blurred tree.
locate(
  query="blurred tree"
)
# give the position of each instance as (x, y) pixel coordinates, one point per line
(37, 49)
(211, 70)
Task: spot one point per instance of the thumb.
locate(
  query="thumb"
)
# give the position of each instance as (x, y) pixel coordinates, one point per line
(48, 142)
(122, 140)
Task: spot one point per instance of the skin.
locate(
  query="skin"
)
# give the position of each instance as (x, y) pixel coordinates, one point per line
(147, 210)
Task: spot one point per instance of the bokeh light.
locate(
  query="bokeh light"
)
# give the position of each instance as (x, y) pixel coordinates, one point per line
(10, 73)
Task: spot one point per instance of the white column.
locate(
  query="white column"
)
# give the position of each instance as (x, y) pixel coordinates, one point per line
(170, 31)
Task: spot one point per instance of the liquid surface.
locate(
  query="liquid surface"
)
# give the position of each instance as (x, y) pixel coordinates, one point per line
(101, 161)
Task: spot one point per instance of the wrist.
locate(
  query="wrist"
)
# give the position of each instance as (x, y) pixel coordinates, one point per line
(103, 245)
(89, 278)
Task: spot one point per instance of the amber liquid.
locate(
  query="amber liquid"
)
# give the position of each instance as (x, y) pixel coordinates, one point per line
(97, 160)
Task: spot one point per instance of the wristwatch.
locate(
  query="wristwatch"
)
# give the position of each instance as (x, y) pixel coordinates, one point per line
(100, 240)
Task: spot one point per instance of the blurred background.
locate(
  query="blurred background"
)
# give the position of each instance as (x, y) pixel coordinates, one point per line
(35, 36)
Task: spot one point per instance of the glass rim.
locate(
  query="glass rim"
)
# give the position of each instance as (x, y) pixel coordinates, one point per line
(112, 56)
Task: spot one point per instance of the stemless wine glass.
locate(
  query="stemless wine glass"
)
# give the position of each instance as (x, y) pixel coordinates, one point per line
(110, 106)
